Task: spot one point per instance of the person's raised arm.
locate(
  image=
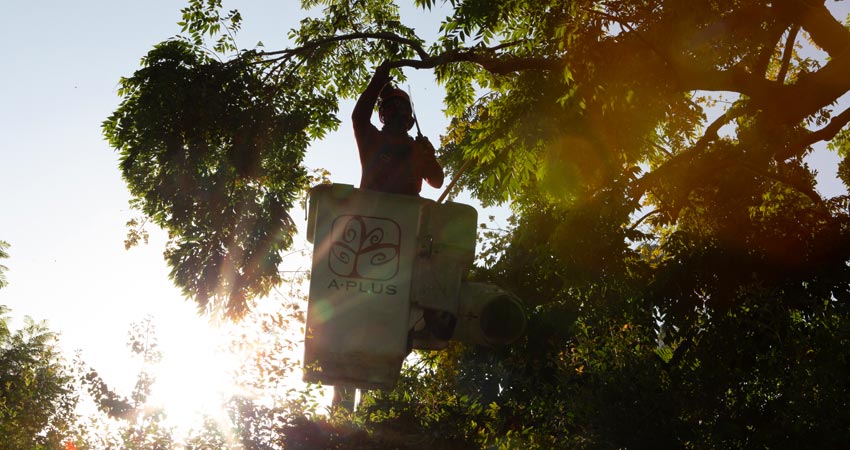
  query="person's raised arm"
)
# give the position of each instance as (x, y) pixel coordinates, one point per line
(362, 113)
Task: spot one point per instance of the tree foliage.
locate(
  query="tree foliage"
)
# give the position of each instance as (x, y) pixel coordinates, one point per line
(688, 282)
(3, 255)
(37, 395)
(212, 152)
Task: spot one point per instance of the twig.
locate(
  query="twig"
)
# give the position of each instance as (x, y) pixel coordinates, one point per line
(644, 217)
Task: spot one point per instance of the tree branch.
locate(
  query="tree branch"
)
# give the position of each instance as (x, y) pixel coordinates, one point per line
(831, 129)
(644, 183)
(644, 217)
(482, 56)
(805, 190)
(799, 145)
(827, 32)
(288, 53)
(497, 65)
(785, 104)
(786, 55)
(777, 29)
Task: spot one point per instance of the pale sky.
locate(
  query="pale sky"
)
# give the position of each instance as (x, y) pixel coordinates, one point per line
(63, 205)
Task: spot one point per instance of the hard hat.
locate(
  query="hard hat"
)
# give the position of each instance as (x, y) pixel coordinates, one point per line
(389, 93)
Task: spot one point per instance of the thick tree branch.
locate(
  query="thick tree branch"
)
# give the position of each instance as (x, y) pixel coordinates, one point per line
(785, 104)
(692, 77)
(827, 32)
(486, 57)
(710, 135)
(811, 93)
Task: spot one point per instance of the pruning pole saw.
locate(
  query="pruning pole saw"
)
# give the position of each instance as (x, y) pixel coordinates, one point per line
(419, 134)
(413, 112)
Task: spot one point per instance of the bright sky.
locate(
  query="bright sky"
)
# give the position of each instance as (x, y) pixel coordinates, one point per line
(63, 205)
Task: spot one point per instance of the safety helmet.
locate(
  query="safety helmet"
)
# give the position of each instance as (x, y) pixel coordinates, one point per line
(391, 93)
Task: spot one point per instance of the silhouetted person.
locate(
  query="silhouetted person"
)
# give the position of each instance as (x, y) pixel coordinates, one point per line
(391, 160)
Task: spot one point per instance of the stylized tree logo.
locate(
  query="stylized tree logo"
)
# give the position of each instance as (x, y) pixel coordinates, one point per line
(364, 247)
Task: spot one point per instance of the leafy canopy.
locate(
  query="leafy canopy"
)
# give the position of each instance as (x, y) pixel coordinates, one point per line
(551, 102)
(211, 151)
(687, 282)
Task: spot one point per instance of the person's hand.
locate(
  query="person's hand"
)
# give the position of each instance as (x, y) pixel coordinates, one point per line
(382, 73)
(431, 169)
(424, 145)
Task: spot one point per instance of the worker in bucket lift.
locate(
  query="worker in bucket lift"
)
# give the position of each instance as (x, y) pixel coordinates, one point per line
(391, 160)
(396, 163)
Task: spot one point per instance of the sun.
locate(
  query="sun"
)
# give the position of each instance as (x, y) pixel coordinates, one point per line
(194, 379)
(197, 375)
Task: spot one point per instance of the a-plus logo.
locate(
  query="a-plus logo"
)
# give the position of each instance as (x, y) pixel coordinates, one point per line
(364, 247)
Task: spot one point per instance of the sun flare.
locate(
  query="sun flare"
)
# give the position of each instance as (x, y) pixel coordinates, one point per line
(194, 380)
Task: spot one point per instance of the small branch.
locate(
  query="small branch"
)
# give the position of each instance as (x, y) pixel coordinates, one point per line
(660, 148)
(805, 190)
(497, 65)
(613, 18)
(777, 29)
(830, 130)
(786, 55)
(709, 136)
(506, 45)
(711, 131)
(644, 217)
(798, 146)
